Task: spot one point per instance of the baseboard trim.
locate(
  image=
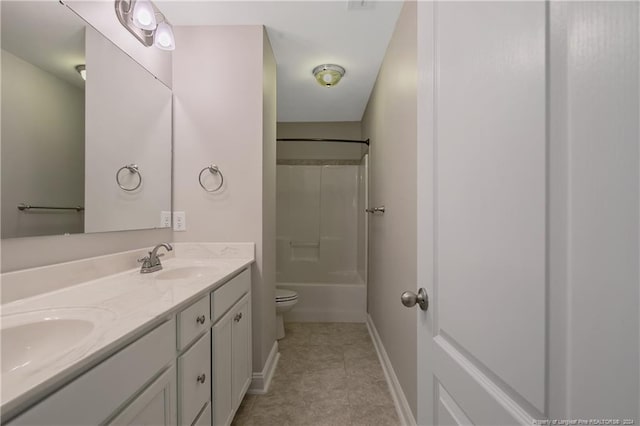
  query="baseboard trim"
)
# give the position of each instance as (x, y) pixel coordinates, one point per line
(261, 381)
(324, 316)
(399, 398)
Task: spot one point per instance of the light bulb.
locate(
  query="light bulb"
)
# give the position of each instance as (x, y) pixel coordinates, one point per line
(327, 78)
(144, 17)
(163, 37)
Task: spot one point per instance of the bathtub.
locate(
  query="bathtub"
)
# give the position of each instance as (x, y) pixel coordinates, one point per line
(328, 302)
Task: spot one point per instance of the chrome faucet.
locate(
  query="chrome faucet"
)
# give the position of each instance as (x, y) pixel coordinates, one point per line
(152, 263)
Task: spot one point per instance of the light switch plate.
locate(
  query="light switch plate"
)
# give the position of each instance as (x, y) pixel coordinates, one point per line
(179, 221)
(165, 219)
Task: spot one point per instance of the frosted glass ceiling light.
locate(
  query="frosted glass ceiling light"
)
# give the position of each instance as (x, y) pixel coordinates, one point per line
(82, 70)
(328, 75)
(144, 17)
(163, 37)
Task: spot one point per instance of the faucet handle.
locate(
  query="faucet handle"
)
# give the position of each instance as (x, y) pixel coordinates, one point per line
(160, 255)
(143, 259)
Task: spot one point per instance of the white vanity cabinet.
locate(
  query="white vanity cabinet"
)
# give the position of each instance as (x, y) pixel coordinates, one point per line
(231, 346)
(154, 406)
(137, 382)
(168, 375)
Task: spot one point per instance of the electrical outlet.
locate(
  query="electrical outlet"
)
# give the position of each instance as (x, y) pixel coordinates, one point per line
(165, 219)
(179, 221)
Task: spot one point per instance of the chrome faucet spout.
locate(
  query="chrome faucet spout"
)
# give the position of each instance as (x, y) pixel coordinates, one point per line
(152, 263)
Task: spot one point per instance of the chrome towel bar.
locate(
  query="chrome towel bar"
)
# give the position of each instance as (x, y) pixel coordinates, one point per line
(23, 207)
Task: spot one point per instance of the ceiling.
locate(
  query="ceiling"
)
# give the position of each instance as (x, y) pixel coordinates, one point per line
(46, 35)
(303, 34)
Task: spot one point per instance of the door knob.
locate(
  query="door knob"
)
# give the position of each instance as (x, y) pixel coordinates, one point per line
(409, 299)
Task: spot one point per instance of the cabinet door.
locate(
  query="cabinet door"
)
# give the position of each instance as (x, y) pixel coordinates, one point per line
(241, 344)
(155, 406)
(221, 354)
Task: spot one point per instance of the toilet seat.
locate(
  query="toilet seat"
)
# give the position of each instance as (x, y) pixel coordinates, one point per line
(283, 295)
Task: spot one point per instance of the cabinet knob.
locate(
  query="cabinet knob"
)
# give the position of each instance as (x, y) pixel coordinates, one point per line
(201, 319)
(201, 378)
(238, 317)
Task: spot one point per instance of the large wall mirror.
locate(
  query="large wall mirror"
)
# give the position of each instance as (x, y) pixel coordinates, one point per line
(78, 156)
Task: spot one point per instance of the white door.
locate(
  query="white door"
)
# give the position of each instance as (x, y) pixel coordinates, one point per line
(486, 270)
(505, 339)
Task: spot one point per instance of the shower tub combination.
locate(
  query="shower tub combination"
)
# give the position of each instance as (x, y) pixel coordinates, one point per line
(321, 239)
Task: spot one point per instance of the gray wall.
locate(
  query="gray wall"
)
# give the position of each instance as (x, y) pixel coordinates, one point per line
(391, 124)
(49, 139)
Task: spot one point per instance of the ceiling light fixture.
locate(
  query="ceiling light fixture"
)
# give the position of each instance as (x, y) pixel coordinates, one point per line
(139, 18)
(328, 75)
(82, 70)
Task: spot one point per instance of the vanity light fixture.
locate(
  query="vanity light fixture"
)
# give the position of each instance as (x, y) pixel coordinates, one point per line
(328, 75)
(139, 18)
(82, 70)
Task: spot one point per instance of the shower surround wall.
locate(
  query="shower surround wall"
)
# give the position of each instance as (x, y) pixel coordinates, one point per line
(317, 223)
(320, 208)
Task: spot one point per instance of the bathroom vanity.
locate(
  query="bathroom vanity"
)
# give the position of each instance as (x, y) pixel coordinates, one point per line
(169, 347)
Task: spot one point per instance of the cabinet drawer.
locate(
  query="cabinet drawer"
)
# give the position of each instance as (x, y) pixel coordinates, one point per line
(192, 321)
(194, 379)
(224, 297)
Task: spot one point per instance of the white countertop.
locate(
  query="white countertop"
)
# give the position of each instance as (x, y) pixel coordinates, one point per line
(127, 303)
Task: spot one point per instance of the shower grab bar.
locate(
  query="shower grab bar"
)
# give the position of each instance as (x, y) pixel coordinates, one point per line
(304, 244)
(380, 209)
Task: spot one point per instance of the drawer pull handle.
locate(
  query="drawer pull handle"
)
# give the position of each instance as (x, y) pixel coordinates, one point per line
(201, 319)
(238, 317)
(201, 378)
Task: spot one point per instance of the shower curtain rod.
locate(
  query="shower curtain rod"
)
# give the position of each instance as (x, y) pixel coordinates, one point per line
(322, 140)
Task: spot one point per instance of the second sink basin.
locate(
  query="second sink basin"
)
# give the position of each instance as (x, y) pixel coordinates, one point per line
(182, 273)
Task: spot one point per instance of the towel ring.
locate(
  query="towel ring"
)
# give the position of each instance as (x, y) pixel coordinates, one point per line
(133, 168)
(213, 169)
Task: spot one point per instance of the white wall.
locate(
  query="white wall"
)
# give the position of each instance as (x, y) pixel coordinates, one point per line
(362, 221)
(20, 253)
(390, 122)
(128, 121)
(47, 138)
(317, 224)
(594, 210)
(227, 118)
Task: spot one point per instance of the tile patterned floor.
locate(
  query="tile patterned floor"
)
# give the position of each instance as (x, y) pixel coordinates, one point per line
(328, 374)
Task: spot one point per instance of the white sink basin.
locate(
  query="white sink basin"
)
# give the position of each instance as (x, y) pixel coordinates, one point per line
(182, 273)
(26, 344)
(31, 339)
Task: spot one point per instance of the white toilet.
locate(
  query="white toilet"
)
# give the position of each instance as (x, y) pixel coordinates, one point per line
(285, 300)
